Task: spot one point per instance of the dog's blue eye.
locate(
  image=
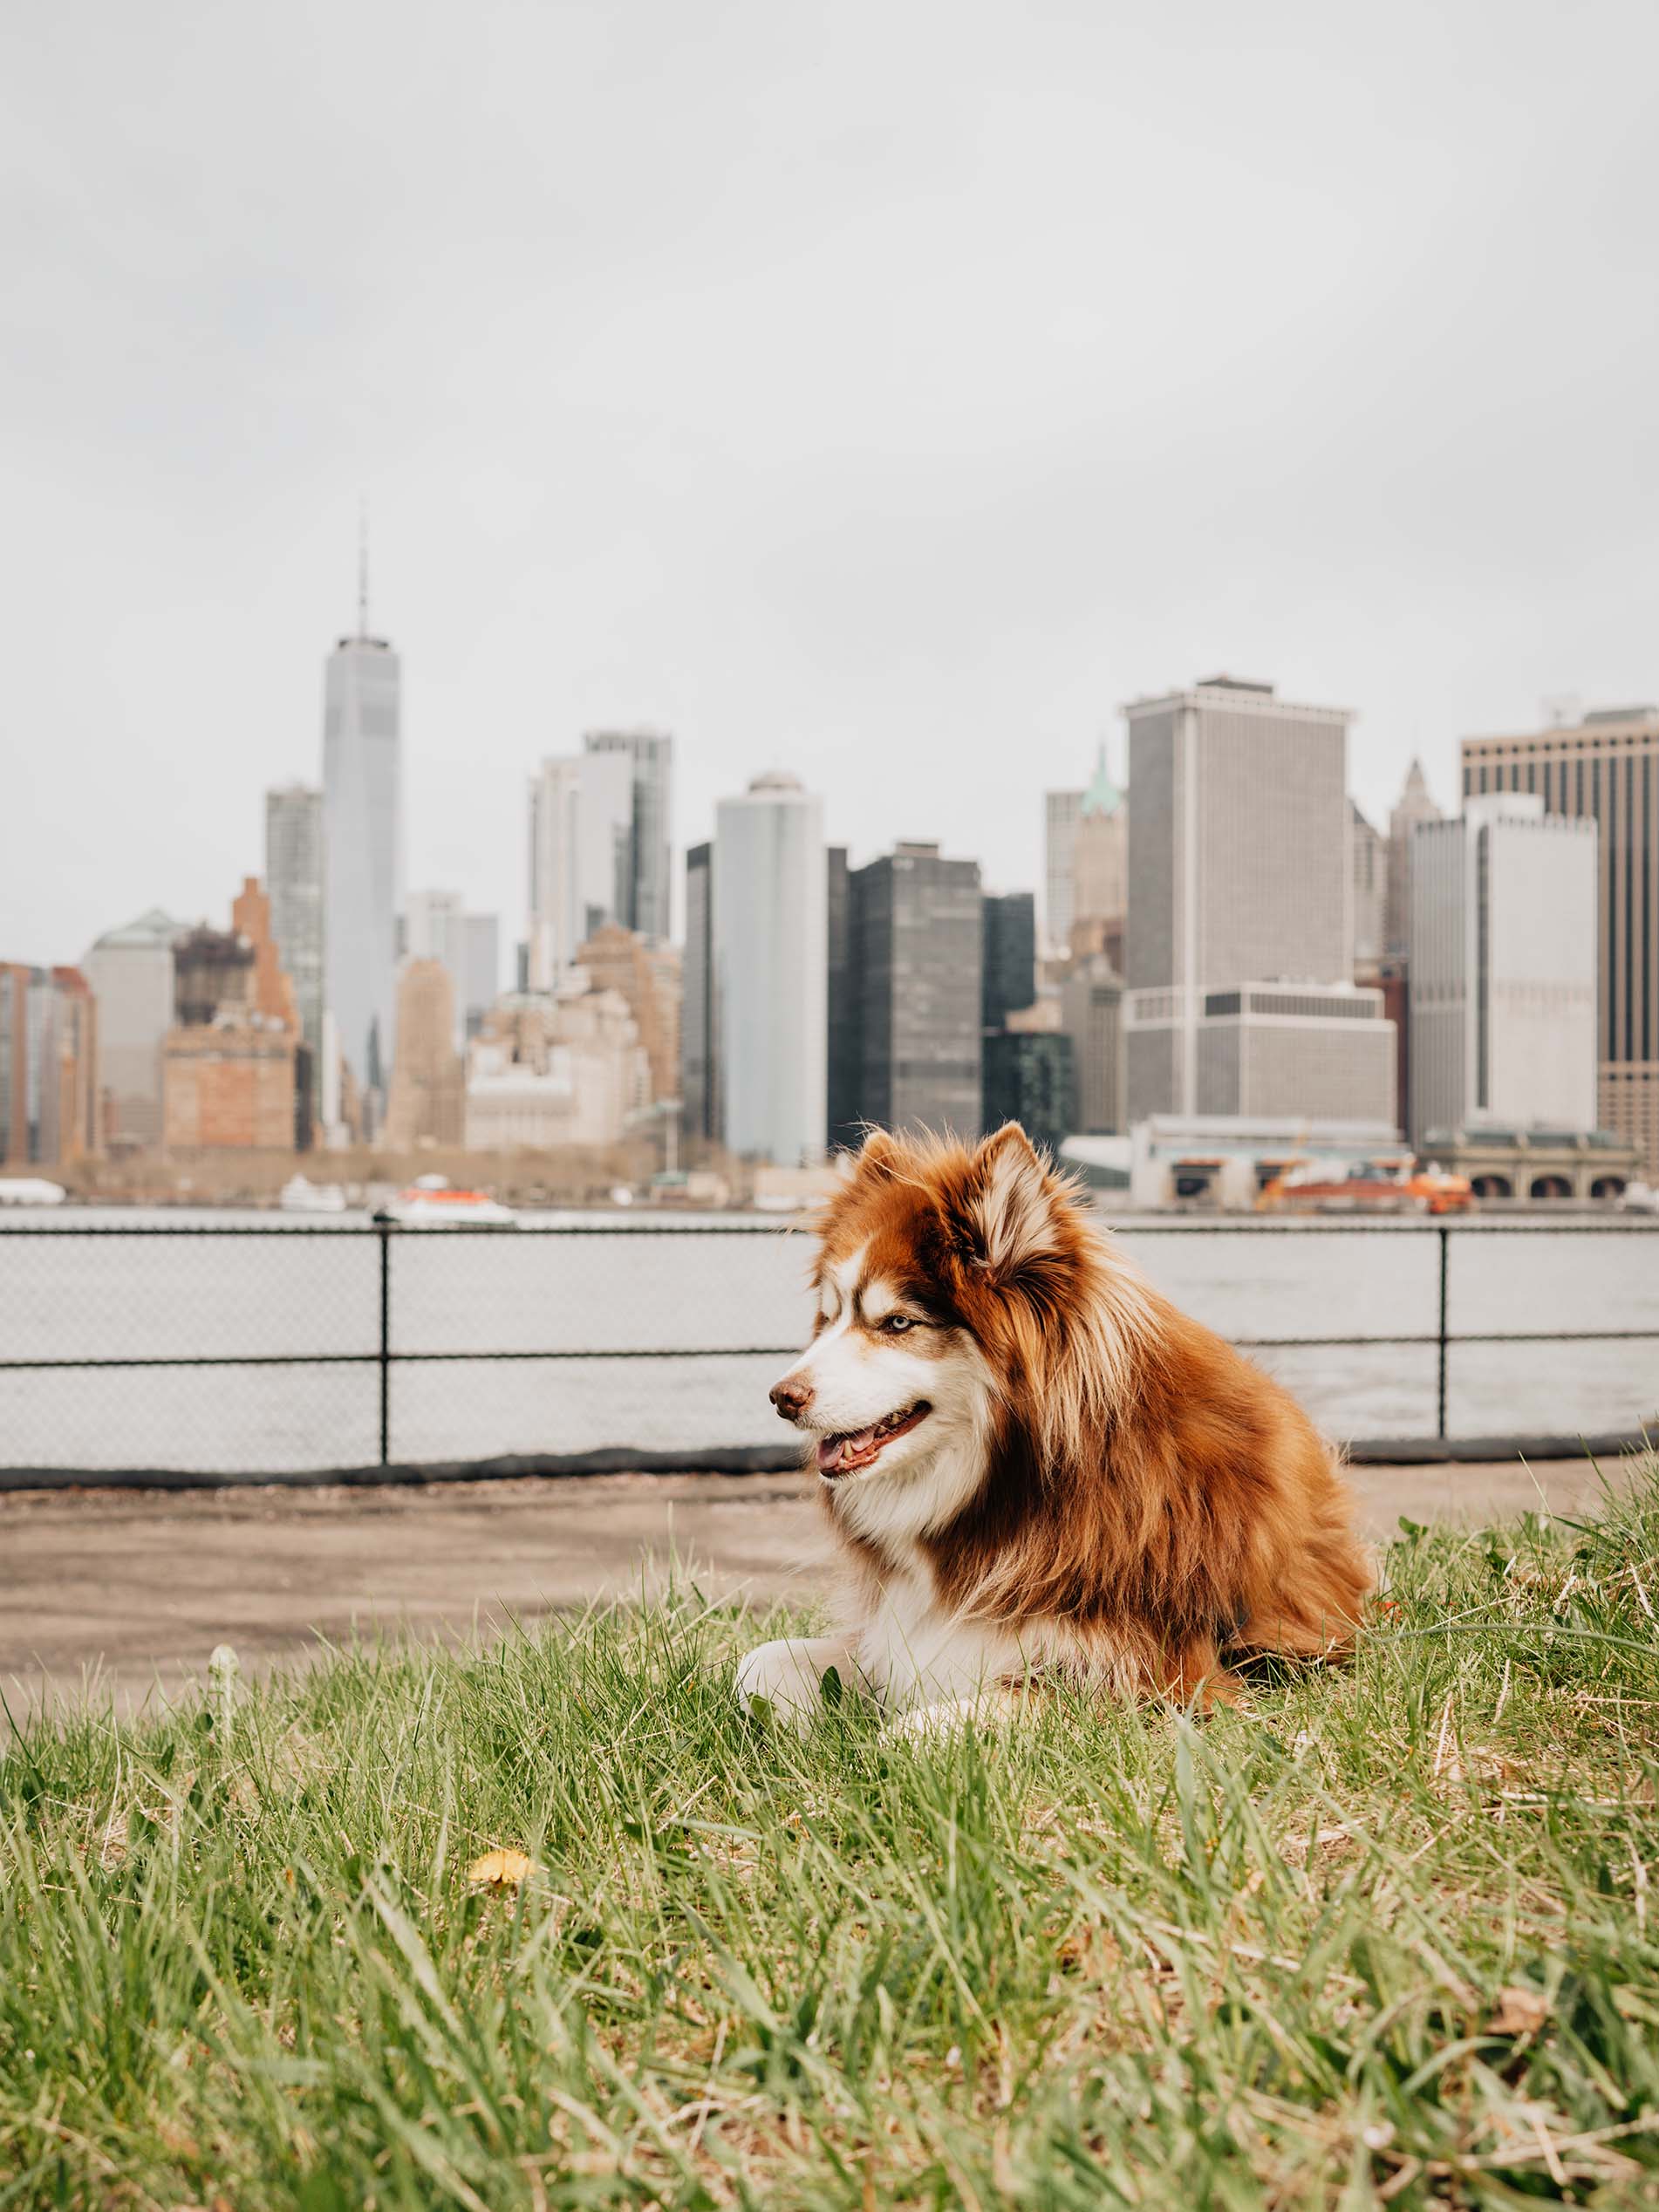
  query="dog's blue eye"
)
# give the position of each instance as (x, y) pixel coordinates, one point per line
(896, 1324)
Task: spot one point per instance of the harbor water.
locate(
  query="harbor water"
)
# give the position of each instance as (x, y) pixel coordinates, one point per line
(679, 1331)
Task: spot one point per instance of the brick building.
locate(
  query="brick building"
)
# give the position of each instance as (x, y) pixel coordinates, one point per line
(647, 977)
(235, 1069)
(51, 1103)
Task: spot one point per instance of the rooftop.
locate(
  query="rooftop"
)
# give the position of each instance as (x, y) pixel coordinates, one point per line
(1104, 796)
(154, 927)
(1241, 697)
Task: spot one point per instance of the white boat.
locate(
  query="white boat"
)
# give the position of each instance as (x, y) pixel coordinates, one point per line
(299, 1196)
(422, 1206)
(31, 1189)
(1640, 1198)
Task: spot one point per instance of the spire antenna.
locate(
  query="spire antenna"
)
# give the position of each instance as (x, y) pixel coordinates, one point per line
(362, 568)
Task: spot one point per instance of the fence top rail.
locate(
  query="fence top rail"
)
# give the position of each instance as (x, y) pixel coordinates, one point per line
(1122, 1225)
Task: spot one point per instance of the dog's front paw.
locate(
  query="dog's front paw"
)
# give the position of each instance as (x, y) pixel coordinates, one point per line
(789, 1674)
(951, 1717)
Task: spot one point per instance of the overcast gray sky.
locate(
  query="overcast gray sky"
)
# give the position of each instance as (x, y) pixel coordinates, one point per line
(886, 392)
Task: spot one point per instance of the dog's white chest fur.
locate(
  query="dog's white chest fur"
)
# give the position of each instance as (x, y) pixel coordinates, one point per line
(902, 1646)
(906, 1651)
(911, 1651)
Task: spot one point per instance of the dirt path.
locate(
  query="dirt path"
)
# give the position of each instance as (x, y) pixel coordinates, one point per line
(138, 1586)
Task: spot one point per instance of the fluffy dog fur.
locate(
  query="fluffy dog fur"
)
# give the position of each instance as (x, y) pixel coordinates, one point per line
(1098, 1485)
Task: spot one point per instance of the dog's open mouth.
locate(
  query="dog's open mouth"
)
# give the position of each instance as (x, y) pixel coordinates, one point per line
(861, 1448)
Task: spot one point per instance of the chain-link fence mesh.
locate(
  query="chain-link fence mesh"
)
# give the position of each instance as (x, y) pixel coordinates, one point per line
(270, 1349)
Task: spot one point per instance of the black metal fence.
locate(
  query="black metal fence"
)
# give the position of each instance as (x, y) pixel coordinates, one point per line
(210, 1351)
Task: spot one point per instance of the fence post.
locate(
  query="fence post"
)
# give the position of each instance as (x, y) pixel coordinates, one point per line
(1445, 1252)
(385, 1343)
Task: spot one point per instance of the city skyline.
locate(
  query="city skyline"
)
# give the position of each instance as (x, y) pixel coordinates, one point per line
(1239, 405)
(1107, 740)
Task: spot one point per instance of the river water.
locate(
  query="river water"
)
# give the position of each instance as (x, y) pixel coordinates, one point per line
(659, 1288)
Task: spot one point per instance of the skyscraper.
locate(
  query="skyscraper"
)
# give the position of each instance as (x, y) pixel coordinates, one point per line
(131, 973)
(915, 956)
(294, 881)
(698, 1090)
(1029, 1076)
(1605, 767)
(362, 853)
(647, 892)
(1369, 856)
(843, 1073)
(1414, 805)
(1503, 946)
(1061, 812)
(581, 850)
(434, 928)
(1091, 1003)
(769, 971)
(15, 1085)
(1240, 998)
(1100, 868)
(483, 969)
(50, 1084)
(1008, 970)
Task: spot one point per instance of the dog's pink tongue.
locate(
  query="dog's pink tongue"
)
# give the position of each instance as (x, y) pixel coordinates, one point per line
(833, 1450)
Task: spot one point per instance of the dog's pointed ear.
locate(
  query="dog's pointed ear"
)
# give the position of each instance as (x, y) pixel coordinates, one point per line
(879, 1154)
(1010, 1204)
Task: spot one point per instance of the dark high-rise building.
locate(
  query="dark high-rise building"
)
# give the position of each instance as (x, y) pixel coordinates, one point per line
(845, 1073)
(1029, 1078)
(698, 1088)
(910, 1038)
(1008, 981)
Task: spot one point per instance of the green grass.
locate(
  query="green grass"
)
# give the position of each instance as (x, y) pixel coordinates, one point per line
(1386, 1935)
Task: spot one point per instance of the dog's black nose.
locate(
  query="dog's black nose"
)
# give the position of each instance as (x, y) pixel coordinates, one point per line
(791, 1398)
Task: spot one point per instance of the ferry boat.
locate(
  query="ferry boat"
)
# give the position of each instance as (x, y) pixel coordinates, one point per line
(1368, 1186)
(31, 1189)
(301, 1196)
(429, 1203)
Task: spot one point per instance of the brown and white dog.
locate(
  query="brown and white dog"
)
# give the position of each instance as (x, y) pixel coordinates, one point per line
(1034, 1464)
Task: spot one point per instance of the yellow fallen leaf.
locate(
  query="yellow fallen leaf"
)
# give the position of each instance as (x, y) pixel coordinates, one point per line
(500, 1869)
(1518, 2011)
